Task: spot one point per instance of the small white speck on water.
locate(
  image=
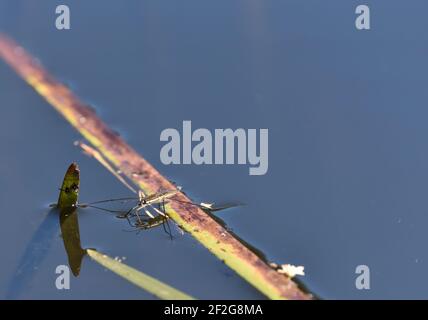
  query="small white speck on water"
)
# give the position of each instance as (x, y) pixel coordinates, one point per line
(416, 260)
(399, 220)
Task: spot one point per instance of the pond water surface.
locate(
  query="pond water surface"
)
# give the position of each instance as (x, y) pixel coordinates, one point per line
(346, 110)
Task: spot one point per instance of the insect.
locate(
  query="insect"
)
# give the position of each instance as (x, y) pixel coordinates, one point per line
(145, 203)
(142, 203)
(155, 198)
(153, 205)
(148, 201)
(149, 223)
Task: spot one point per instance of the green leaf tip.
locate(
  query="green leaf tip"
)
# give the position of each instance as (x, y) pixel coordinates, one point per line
(138, 278)
(69, 192)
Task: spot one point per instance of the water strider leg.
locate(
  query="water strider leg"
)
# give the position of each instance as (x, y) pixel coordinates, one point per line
(166, 219)
(169, 229)
(148, 213)
(163, 226)
(126, 215)
(161, 210)
(99, 208)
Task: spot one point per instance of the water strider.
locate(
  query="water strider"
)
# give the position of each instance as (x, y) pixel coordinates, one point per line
(147, 204)
(143, 202)
(70, 189)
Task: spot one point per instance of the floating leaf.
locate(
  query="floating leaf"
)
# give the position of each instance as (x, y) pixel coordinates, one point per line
(69, 192)
(69, 223)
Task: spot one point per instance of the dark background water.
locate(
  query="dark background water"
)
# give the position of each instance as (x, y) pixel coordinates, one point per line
(346, 112)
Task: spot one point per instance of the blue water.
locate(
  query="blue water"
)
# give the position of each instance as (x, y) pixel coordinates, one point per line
(345, 109)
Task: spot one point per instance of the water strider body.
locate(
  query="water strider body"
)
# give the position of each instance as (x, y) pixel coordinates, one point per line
(154, 202)
(151, 199)
(147, 204)
(142, 202)
(156, 197)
